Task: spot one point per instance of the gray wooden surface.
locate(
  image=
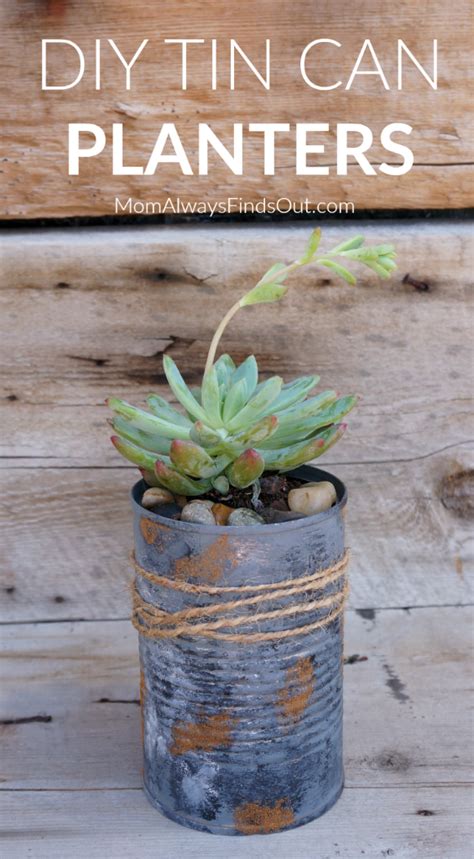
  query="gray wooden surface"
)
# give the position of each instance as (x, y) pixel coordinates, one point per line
(87, 313)
(71, 747)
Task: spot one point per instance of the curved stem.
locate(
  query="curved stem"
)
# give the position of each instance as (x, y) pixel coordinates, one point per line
(230, 313)
(218, 334)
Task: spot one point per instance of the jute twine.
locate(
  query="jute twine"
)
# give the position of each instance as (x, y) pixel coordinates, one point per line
(154, 622)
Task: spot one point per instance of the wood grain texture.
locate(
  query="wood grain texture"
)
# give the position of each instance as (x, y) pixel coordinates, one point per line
(90, 313)
(65, 553)
(55, 824)
(36, 180)
(412, 779)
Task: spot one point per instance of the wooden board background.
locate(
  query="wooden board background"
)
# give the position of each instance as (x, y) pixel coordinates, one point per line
(34, 165)
(87, 313)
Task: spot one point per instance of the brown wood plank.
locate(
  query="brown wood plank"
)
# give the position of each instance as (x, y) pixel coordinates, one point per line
(72, 784)
(37, 184)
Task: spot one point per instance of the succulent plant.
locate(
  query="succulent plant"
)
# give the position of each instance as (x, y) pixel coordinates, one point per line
(235, 427)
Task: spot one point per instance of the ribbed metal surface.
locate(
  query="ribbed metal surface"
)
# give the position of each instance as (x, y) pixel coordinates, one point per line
(241, 738)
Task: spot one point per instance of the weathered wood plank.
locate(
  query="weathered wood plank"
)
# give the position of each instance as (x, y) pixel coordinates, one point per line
(37, 184)
(125, 296)
(116, 823)
(67, 534)
(410, 779)
(369, 822)
(65, 671)
(92, 316)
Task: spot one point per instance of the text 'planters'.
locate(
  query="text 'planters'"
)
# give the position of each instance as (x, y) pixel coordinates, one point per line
(242, 676)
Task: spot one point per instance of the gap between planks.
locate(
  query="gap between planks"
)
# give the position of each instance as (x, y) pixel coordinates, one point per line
(359, 611)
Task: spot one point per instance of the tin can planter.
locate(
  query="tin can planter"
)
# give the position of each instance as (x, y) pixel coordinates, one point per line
(241, 653)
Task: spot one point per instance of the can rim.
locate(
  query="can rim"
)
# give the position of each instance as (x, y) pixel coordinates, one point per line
(308, 473)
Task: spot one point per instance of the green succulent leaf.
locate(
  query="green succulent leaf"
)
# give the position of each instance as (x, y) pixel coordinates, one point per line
(181, 390)
(246, 469)
(340, 270)
(289, 418)
(253, 435)
(350, 245)
(298, 454)
(143, 420)
(151, 478)
(135, 454)
(190, 459)
(210, 398)
(294, 392)
(311, 247)
(234, 401)
(178, 483)
(221, 484)
(247, 370)
(365, 254)
(153, 443)
(305, 428)
(162, 409)
(257, 405)
(269, 288)
(204, 435)
(225, 367)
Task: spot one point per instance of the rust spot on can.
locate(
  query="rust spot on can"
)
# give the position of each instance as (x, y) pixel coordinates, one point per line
(208, 733)
(295, 695)
(253, 818)
(209, 564)
(149, 530)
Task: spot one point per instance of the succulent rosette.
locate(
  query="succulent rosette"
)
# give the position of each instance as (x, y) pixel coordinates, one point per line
(235, 426)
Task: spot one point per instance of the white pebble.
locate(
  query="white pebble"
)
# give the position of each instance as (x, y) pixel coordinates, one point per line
(155, 496)
(199, 512)
(244, 516)
(312, 498)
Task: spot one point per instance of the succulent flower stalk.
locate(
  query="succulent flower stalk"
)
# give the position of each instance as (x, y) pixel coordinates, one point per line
(236, 426)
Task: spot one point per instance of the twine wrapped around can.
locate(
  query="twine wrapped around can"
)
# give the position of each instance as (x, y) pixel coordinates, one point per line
(154, 622)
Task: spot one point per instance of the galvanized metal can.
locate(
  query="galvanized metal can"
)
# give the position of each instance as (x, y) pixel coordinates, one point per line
(241, 738)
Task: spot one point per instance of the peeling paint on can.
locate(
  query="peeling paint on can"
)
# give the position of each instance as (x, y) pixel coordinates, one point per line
(241, 738)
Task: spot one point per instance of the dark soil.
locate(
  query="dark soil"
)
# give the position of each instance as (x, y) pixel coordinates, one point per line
(271, 503)
(274, 489)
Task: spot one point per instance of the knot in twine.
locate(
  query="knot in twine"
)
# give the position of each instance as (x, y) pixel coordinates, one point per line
(153, 622)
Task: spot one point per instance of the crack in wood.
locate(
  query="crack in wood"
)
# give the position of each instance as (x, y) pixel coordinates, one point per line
(25, 720)
(341, 464)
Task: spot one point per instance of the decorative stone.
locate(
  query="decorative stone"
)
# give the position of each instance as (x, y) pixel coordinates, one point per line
(245, 516)
(312, 498)
(221, 513)
(155, 496)
(199, 512)
(206, 501)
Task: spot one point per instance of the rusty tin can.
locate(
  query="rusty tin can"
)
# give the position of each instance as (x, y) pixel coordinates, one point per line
(241, 738)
